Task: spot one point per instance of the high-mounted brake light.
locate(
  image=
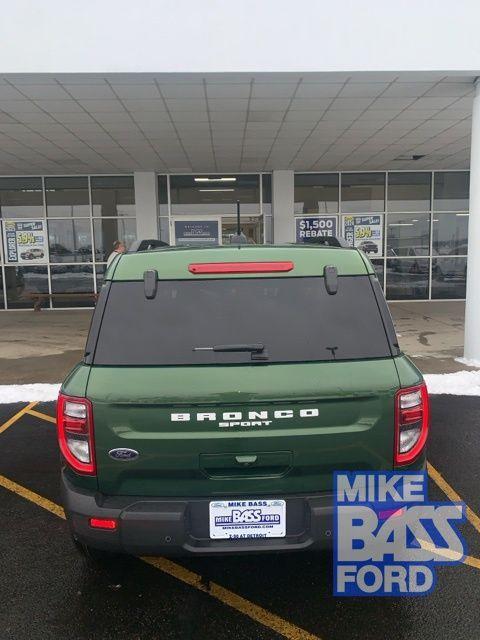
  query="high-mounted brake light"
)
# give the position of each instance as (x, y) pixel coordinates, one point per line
(411, 423)
(75, 433)
(240, 267)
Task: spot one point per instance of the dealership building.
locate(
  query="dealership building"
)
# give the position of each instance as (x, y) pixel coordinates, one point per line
(160, 137)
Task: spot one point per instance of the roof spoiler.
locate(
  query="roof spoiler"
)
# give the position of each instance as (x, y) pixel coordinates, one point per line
(147, 245)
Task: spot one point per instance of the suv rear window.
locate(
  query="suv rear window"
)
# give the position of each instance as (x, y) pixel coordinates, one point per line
(294, 318)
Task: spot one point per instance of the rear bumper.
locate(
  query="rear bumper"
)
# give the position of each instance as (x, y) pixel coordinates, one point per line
(179, 526)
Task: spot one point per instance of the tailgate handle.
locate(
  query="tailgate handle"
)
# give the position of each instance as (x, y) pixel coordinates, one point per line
(246, 460)
(263, 464)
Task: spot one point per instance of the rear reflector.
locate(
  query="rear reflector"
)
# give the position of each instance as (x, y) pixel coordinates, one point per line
(240, 267)
(103, 523)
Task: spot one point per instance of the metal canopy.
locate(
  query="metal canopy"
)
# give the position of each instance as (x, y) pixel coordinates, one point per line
(221, 122)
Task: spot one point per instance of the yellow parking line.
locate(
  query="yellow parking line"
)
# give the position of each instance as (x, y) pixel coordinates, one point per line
(17, 416)
(471, 561)
(231, 599)
(449, 554)
(453, 495)
(32, 496)
(42, 416)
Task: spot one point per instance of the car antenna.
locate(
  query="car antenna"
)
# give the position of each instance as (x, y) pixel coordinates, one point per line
(239, 237)
(239, 229)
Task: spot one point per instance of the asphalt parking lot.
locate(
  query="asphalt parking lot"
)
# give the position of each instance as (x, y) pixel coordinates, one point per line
(48, 591)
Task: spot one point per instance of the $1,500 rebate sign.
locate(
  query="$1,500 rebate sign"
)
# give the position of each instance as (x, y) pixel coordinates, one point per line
(387, 534)
(310, 228)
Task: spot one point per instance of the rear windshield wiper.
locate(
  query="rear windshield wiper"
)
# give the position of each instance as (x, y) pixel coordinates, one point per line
(253, 348)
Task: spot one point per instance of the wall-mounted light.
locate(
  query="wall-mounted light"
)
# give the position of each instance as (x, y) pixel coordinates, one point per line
(211, 190)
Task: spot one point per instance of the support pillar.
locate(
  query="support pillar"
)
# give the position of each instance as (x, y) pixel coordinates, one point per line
(146, 204)
(283, 204)
(472, 308)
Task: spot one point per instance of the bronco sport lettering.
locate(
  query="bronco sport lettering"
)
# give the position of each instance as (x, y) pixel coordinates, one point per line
(252, 419)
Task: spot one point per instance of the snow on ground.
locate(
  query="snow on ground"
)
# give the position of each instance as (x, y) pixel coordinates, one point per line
(28, 392)
(467, 362)
(462, 383)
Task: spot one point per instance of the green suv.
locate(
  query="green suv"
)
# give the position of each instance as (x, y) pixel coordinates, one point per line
(220, 390)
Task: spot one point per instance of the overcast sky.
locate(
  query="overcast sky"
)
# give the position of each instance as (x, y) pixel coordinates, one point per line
(238, 35)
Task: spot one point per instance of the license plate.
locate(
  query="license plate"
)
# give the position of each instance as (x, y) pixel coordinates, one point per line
(253, 518)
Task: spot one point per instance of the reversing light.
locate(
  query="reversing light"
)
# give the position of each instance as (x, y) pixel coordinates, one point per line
(411, 423)
(75, 433)
(240, 267)
(103, 523)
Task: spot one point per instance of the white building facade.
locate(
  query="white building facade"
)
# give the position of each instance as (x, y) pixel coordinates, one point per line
(153, 121)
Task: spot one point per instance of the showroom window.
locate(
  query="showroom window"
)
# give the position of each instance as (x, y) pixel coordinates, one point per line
(450, 234)
(413, 225)
(67, 197)
(214, 193)
(60, 231)
(316, 193)
(113, 210)
(409, 191)
(113, 196)
(363, 192)
(427, 241)
(407, 279)
(202, 208)
(408, 234)
(450, 192)
(21, 282)
(70, 240)
(21, 198)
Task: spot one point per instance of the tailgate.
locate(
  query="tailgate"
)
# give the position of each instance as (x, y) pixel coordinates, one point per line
(232, 430)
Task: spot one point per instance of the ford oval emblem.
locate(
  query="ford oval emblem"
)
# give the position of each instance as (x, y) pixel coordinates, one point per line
(123, 454)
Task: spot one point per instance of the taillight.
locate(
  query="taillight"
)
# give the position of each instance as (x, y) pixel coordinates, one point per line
(411, 423)
(75, 433)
